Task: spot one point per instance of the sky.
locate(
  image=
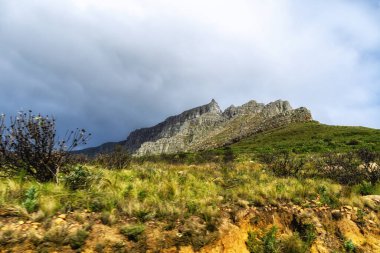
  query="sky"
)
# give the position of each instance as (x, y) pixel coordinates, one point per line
(113, 66)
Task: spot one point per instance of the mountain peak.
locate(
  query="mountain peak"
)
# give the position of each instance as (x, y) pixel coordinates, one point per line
(206, 126)
(213, 106)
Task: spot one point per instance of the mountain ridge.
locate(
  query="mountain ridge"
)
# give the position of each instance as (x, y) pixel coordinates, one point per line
(207, 126)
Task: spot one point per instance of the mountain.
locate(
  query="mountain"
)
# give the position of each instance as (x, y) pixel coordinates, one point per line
(207, 126)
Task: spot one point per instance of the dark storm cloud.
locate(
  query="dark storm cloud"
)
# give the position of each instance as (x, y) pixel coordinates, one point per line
(113, 67)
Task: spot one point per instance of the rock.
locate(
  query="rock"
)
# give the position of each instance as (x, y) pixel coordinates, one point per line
(62, 216)
(348, 207)
(371, 222)
(336, 214)
(59, 221)
(207, 126)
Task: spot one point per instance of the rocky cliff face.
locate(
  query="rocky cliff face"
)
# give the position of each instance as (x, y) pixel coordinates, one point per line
(208, 126)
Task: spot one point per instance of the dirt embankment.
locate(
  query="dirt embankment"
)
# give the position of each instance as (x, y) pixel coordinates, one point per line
(325, 230)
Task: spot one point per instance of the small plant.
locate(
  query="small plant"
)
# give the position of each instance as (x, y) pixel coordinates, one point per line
(349, 246)
(97, 205)
(57, 235)
(270, 242)
(108, 218)
(293, 244)
(228, 155)
(253, 244)
(31, 200)
(142, 195)
(309, 233)
(78, 239)
(360, 214)
(132, 232)
(326, 198)
(6, 237)
(79, 178)
(99, 247)
(366, 188)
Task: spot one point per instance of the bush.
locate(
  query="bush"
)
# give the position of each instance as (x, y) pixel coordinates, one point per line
(270, 242)
(29, 144)
(284, 164)
(267, 244)
(31, 200)
(133, 232)
(228, 155)
(293, 244)
(349, 246)
(78, 239)
(253, 243)
(350, 168)
(118, 159)
(366, 188)
(79, 178)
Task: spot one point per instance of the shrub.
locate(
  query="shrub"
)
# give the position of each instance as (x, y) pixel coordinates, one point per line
(78, 239)
(29, 144)
(31, 201)
(350, 168)
(371, 169)
(342, 168)
(293, 244)
(284, 164)
(349, 246)
(366, 188)
(228, 155)
(79, 177)
(270, 242)
(118, 159)
(57, 235)
(108, 218)
(132, 232)
(253, 244)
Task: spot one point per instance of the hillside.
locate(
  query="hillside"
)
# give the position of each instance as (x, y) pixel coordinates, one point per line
(310, 137)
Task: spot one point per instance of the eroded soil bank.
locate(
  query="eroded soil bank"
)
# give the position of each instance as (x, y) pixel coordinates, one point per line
(321, 228)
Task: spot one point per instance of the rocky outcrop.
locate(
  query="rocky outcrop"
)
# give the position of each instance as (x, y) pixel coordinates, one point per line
(208, 126)
(175, 132)
(213, 128)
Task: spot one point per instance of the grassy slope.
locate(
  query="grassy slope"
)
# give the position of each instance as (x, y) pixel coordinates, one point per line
(311, 137)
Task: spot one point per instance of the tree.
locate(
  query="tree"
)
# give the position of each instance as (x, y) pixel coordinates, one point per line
(30, 144)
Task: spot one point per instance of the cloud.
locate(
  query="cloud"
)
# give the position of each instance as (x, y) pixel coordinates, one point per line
(113, 66)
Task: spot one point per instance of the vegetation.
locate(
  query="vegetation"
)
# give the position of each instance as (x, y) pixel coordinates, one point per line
(188, 194)
(349, 246)
(133, 232)
(118, 159)
(270, 242)
(28, 144)
(310, 138)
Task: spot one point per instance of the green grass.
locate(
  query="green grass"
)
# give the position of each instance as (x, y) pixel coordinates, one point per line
(299, 138)
(311, 137)
(168, 192)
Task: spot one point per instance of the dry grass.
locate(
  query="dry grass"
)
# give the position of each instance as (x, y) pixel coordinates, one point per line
(163, 191)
